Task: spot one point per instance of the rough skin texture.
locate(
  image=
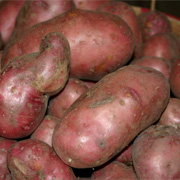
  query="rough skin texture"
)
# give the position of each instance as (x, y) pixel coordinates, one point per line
(35, 160)
(156, 153)
(94, 53)
(109, 116)
(27, 82)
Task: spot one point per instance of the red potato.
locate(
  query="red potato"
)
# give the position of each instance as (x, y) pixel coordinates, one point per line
(9, 10)
(114, 171)
(156, 153)
(45, 130)
(105, 119)
(94, 53)
(35, 160)
(36, 11)
(27, 82)
(171, 115)
(89, 4)
(157, 63)
(164, 45)
(64, 99)
(153, 22)
(4, 146)
(126, 12)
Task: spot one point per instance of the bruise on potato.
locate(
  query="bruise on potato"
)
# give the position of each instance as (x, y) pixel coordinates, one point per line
(27, 82)
(94, 53)
(103, 121)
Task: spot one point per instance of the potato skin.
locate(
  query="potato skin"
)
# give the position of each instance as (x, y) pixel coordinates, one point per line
(59, 103)
(126, 12)
(156, 153)
(83, 30)
(35, 160)
(106, 119)
(4, 146)
(114, 170)
(27, 82)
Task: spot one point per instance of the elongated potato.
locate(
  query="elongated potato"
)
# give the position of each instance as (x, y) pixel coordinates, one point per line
(103, 121)
(100, 42)
(27, 82)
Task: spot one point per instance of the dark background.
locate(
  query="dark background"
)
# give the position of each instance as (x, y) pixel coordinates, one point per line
(168, 6)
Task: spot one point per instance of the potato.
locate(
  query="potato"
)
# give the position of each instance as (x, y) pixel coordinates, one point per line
(94, 53)
(126, 12)
(175, 79)
(8, 13)
(59, 103)
(153, 22)
(155, 62)
(114, 171)
(4, 146)
(156, 153)
(36, 160)
(105, 119)
(45, 130)
(27, 82)
(34, 12)
(171, 115)
(89, 4)
(164, 45)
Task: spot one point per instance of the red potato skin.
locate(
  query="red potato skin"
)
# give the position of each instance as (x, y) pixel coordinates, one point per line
(98, 125)
(171, 115)
(36, 11)
(8, 13)
(89, 4)
(45, 130)
(64, 99)
(157, 63)
(27, 82)
(156, 153)
(4, 146)
(83, 30)
(126, 12)
(35, 160)
(175, 79)
(162, 45)
(153, 22)
(114, 170)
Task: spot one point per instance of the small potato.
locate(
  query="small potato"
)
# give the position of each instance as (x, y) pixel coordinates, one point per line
(156, 153)
(153, 22)
(45, 130)
(175, 79)
(94, 53)
(157, 63)
(105, 119)
(126, 12)
(59, 103)
(36, 160)
(5, 144)
(114, 171)
(171, 115)
(164, 45)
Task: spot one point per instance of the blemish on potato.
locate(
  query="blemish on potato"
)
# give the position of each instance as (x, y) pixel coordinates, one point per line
(121, 102)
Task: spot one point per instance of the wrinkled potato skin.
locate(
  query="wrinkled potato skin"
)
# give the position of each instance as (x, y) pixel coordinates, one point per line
(35, 160)
(156, 153)
(107, 118)
(27, 82)
(126, 12)
(65, 98)
(83, 30)
(4, 146)
(171, 115)
(114, 170)
(36, 11)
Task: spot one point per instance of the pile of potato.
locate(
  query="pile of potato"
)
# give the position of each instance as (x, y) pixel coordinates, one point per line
(88, 90)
